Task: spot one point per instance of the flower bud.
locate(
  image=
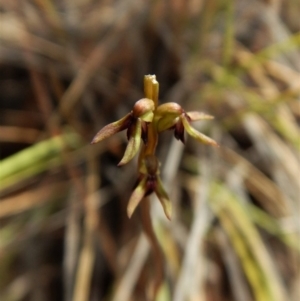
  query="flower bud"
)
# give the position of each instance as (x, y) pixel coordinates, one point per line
(143, 109)
(152, 164)
(170, 109)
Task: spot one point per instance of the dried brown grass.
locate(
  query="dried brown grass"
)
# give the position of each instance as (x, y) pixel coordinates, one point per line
(70, 67)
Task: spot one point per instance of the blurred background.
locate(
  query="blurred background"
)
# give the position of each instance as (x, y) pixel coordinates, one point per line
(67, 68)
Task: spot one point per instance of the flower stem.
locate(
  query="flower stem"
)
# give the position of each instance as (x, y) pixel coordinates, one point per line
(151, 90)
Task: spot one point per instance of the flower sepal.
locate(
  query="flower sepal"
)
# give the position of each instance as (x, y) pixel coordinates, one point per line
(113, 128)
(136, 124)
(172, 116)
(149, 181)
(134, 143)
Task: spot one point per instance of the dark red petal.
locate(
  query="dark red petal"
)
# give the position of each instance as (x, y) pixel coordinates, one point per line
(144, 132)
(150, 184)
(179, 131)
(131, 127)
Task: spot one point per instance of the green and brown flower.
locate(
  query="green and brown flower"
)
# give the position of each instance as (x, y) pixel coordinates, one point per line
(149, 182)
(172, 116)
(136, 124)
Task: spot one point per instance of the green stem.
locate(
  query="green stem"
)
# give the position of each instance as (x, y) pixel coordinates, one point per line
(151, 89)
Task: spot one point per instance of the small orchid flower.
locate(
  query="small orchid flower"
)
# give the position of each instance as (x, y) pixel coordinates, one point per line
(136, 124)
(172, 116)
(144, 123)
(149, 181)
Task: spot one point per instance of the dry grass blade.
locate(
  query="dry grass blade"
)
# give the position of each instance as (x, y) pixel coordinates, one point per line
(85, 267)
(71, 245)
(98, 56)
(284, 73)
(126, 284)
(271, 197)
(31, 199)
(14, 33)
(202, 220)
(87, 255)
(18, 135)
(284, 162)
(245, 236)
(238, 283)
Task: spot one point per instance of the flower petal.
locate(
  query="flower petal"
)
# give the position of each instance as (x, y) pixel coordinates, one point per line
(179, 131)
(133, 143)
(112, 128)
(166, 123)
(144, 134)
(197, 135)
(169, 108)
(163, 198)
(194, 116)
(148, 117)
(136, 196)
